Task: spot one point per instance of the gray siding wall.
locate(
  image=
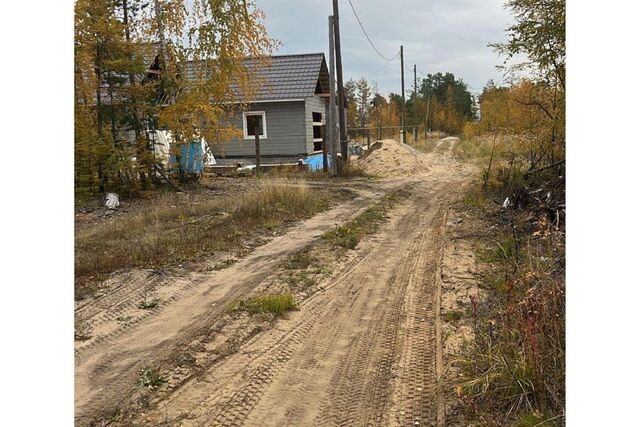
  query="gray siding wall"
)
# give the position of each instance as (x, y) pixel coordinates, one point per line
(287, 133)
(314, 104)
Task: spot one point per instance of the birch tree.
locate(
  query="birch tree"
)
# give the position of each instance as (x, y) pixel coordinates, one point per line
(200, 49)
(208, 78)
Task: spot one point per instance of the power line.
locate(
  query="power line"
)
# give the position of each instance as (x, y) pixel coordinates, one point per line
(384, 66)
(367, 35)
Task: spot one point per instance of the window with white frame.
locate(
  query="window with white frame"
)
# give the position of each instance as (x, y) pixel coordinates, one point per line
(252, 120)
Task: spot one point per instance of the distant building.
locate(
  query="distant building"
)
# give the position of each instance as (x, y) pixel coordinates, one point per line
(290, 109)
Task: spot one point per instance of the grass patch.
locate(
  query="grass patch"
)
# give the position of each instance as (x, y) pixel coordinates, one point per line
(115, 415)
(349, 235)
(356, 170)
(530, 420)
(300, 280)
(426, 145)
(477, 149)
(476, 199)
(278, 304)
(299, 261)
(150, 378)
(452, 316)
(345, 236)
(176, 228)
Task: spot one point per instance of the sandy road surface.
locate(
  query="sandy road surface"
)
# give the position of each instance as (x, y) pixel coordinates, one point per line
(362, 350)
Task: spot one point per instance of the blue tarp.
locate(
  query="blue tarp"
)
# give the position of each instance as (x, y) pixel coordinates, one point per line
(315, 161)
(191, 161)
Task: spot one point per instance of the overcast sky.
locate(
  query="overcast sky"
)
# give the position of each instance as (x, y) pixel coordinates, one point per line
(438, 36)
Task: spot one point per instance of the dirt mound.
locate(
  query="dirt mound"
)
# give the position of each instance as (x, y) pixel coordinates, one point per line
(393, 159)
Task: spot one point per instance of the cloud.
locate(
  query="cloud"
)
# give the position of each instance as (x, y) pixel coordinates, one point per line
(438, 36)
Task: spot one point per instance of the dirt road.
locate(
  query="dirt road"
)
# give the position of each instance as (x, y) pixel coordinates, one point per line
(361, 350)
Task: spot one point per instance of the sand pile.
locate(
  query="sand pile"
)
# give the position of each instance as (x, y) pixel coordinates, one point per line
(389, 158)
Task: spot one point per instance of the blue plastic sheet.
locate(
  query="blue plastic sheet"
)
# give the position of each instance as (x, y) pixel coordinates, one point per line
(315, 161)
(191, 159)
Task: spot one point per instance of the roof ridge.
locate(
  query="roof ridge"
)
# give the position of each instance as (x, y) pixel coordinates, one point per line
(297, 54)
(271, 56)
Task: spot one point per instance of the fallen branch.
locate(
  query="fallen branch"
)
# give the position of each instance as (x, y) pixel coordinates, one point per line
(552, 165)
(167, 180)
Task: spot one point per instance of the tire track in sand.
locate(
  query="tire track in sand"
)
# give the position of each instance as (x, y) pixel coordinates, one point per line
(360, 352)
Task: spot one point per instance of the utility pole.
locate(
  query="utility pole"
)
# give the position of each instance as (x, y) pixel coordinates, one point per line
(379, 121)
(344, 142)
(415, 103)
(257, 130)
(426, 122)
(402, 131)
(331, 117)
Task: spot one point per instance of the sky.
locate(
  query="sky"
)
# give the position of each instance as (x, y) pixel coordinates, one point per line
(438, 36)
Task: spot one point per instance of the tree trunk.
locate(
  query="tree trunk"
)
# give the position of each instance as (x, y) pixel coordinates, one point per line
(101, 179)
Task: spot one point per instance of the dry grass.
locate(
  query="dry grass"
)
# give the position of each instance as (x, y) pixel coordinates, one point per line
(174, 230)
(477, 149)
(426, 145)
(514, 369)
(356, 171)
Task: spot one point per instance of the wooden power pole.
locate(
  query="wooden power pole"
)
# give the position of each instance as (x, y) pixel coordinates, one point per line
(331, 116)
(415, 103)
(426, 120)
(257, 129)
(344, 142)
(402, 131)
(415, 82)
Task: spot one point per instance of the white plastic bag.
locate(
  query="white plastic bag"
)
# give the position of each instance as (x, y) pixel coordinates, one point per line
(112, 201)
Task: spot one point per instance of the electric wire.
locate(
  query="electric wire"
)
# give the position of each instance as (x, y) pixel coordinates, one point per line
(386, 64)
(367, 35)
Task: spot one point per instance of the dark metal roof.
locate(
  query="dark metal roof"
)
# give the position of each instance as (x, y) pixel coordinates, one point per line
(283, 77)
(286, 76)
(293, 76)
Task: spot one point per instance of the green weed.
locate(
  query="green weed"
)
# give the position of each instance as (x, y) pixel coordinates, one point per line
(300, 280)
(150, 378)
(299, 261)
(452, 316)
(278, 304)
(349, 235)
